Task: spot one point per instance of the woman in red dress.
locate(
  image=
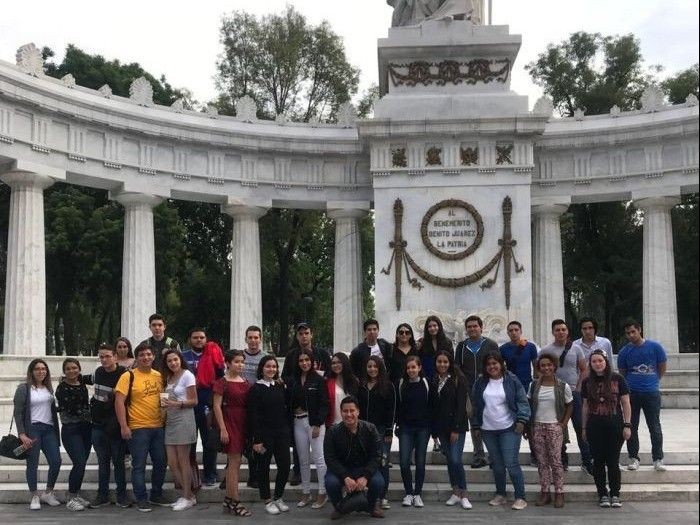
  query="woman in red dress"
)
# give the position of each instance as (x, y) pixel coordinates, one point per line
(230, 397)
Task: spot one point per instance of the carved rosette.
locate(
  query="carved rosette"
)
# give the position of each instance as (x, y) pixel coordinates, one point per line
(141, 92)
(30, 61)
(347, 115)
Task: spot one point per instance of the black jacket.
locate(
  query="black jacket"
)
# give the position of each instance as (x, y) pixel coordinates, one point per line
(470, 364)
(449, 407)
(345, 452)
(322, 361)
(315, 396)
(378, 407)
(360, 355)
(267, 412)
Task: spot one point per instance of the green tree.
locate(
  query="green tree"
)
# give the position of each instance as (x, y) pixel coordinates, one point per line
(682, 84)
(591, 72)
(685, 247)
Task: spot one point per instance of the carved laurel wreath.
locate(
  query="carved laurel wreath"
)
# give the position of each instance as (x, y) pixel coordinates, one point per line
(452, 203)
(450, 72)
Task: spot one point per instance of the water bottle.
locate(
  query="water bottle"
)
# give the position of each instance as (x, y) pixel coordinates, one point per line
(19, 451)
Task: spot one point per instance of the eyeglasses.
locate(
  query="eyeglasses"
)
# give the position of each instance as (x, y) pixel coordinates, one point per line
(404, 332)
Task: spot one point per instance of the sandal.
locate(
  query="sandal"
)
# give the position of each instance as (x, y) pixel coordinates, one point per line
(234, 507)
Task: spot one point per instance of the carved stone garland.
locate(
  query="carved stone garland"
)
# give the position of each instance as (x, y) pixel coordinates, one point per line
(450, 72)
(400, 260)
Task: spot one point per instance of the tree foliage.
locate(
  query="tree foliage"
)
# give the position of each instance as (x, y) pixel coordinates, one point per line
(682, 84)
(592, 72)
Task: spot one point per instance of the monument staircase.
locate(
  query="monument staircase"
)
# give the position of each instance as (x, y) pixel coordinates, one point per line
(679, 483)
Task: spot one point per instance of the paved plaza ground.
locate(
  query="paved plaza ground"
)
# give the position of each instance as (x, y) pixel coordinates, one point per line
(636, 513)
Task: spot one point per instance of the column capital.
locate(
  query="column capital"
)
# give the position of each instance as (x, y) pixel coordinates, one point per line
(131, 199)
(347, 209)
(663, 203)
(26, 179)
(549, 205)
(240, 208)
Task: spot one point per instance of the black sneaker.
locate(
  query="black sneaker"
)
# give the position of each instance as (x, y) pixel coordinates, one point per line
(144, 506)
(252, 484)
(123, 503)
(99, 501)
(604, 502)
(161, 501)
(478, 463)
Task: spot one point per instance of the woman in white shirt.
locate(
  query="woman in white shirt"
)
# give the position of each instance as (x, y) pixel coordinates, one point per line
(551, 401)
(179, 399)
(37, 426)
(501, 411)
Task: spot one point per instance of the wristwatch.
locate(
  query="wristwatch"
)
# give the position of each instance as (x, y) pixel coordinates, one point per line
(627, 425)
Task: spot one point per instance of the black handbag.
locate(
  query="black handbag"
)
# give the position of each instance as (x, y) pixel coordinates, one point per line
(11, 444)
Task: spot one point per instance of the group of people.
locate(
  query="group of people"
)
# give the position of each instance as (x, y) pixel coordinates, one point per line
(341, 413)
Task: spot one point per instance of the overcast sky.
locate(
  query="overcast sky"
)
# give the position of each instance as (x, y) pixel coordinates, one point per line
(180, 39)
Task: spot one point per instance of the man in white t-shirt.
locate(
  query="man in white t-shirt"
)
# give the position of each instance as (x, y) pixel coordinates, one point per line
(591, 341)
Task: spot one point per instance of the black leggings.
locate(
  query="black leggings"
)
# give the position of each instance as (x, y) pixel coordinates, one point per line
(278, 445)
(605, 439)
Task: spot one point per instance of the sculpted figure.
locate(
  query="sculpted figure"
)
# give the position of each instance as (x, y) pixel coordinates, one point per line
(413, 12)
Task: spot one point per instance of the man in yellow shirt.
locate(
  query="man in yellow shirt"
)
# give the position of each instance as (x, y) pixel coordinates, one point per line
(137, 404)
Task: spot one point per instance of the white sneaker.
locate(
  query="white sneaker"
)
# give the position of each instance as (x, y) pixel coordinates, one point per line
(85, 503)
(633, 464)
(418, 502)
(74, 505)
(454, 499)
(281, 505)
(466, 504)
(50, 499)
(385, 504)
(497, 500)
(184, 504)
(35, 504)
(659, 465)
(519, 504)
(271, 508)
(407, 500)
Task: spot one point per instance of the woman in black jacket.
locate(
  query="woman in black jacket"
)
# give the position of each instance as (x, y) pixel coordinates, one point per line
(377, 400)
(268, 420)
(449, 401)
(308, 403)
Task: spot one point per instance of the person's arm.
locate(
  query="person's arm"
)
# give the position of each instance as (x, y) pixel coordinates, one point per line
(661, 369)
(374, 451)
(254, 416)
(20, 405)
(523, 406)
(331, 457)
(389, 413)
(460, 420)
(622, 362)
(569, 406)
(120, 409)
(626, 416)
(219, 415)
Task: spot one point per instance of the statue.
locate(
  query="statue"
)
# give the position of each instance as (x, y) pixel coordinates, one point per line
(414, 12)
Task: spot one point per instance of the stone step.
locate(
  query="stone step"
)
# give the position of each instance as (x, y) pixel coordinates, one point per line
(433, 493)
(433, 474)
(679, 398)
(681, 379)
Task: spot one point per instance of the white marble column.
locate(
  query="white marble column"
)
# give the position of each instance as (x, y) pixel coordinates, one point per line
(25, 287)
(547, 269)
(347, 278)
(138, 265)
(246, 287)
(659, 274)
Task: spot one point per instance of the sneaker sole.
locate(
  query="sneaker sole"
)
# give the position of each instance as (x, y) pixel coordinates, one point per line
(144, 510)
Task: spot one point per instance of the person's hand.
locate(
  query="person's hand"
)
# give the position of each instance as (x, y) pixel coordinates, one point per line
(169, 403)
(224, 437)
(453, 438)
(27, 442)
(258, 447)
(626, 433)
(315, 432)
(519, 428)
(350, 484)
(126, 433)
(360, 484)
(477, 433)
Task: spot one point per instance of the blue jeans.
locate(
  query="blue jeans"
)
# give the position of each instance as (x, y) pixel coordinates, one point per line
(334, 487)
(650, 403)
(77, 440)
(453, 455)
(108, 449)
(504, 447)
(204, 395)
(147, 442)
(577, 420)
(410, 439)
(47, 442)
(384, 468)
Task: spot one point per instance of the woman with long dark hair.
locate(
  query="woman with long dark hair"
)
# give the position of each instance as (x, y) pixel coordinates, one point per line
(341, 383)
(268, 419)
(230, 402)
(36, 418)
(413, 428)
(449, 398)
(377, 400)
(501, 411)
(404, 346)
(125, 353)
(434, 340)
(76, 428)
(308, 402)
(606, 424)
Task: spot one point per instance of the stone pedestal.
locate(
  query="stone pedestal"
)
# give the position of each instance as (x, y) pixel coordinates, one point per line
(659, 275)
(246, 288)
(347, 279)
(25, 289)
(548, 273)
(138, 265)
